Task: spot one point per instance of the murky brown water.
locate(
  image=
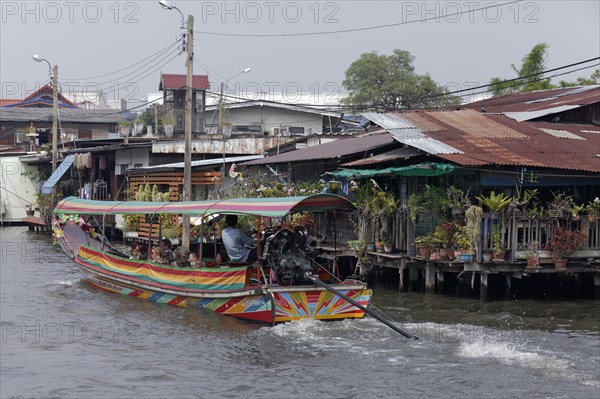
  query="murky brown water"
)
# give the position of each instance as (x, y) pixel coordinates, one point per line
(61, 338)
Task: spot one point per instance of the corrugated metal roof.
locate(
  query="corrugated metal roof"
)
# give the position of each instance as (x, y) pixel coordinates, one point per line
(393, 155)
(335, 149)
(388, 121)
(539, 100)
(404, 132)
(563, 134)
(534, 149)
(529, 115)
(74, 115)
(203, 162)
(171, 81)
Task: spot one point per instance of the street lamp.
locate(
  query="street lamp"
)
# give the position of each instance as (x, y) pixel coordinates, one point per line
(54, 82)
(166, 5)
(187, 157)
(222, 112)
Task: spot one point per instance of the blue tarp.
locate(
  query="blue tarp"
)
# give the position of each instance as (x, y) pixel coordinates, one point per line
(57, 174)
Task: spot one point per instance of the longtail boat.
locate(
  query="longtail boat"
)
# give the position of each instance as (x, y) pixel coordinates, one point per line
(244, 291)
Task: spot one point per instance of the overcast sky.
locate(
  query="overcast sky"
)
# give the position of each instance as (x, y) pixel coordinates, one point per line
(92, 38)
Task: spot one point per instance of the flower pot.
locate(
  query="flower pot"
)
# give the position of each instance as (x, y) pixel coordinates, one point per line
(560, 264)
(449, 253)
(466, 258)
(498, 256)
(169, 129)
(592, 218)
(30, 213)
(533, 263)
(487, 257)
(425, 252)
(370, 247)
(379, 247)
(388, 249)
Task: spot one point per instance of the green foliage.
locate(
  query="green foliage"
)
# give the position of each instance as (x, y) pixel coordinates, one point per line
(390, 82)
(257, 188)
(444, 233)
(593, 207)
(495, 202)
(497, 246)
(473, 225)
(131, 222)
(432, 200)
(533, 63)
(594, 79)
(427, 240)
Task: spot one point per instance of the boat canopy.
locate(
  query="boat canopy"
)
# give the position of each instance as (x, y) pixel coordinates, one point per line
(269, 207)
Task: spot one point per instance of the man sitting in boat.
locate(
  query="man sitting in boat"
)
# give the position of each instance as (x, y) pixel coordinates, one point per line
(236, 242)
(166, 251)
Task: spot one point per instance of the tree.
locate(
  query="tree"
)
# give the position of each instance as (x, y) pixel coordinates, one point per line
(594, 79)
(148, 115)
(390, 82)
(534, 63)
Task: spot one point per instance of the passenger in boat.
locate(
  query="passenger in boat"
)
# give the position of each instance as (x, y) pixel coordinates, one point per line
(166, 250)
(155, 255)
(180, 257)
(193, 260)
(236, 242)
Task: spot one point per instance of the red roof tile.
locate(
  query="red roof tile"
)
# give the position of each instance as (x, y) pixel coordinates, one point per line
(170, 81)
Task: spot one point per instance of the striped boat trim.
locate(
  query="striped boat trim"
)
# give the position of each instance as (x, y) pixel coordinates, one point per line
(163, 276)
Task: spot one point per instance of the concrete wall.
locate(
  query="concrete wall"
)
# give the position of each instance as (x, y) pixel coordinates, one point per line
(267, 118)
(131, 158)
(16, 190)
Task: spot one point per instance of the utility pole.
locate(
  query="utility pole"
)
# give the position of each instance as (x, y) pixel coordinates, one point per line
(187, 160)
(54, 127)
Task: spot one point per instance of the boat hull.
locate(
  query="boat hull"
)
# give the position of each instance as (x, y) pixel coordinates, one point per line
(265, 303)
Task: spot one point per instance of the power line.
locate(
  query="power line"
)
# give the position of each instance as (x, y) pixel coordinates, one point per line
(341, 107)
(130, 66)
(383, 26)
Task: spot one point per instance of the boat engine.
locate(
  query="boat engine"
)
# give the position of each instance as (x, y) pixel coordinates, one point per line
(289, 253)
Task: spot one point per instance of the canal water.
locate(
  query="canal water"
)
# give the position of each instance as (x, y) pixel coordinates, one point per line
(64, 339)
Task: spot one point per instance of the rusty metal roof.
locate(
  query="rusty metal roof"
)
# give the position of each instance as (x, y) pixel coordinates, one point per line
(539, 100)
(535, 147)
(335, 149)
(388, 156)
(405, 132)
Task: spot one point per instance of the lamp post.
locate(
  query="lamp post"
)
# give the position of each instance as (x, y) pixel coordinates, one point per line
(54, 81)
(187, 158)
(222, 112)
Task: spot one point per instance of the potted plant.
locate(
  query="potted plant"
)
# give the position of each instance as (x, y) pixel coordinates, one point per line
(444, 234)
(131, 224)
(29, 210)
(559, 205)
(168, 126)
(138, 127)
(458, 201)
(432, 200)
(379, 246)
(498, 251)
(533, 256)
(388, 244)
(425, 243)
(125, 127)
(563, 243)
(575, 211)
(593, 210)
(464, 245)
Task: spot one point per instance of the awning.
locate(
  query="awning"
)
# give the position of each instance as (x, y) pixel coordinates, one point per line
(271, 207)
(422, 169)
(57, 174)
